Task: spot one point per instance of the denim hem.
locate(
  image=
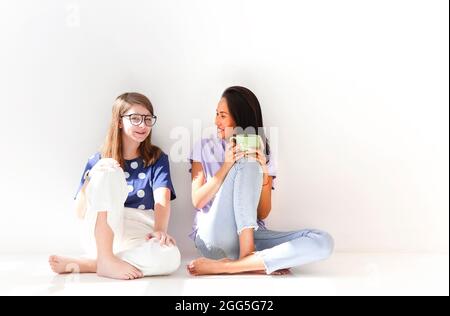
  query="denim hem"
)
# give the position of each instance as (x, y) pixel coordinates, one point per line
(255, 227)
(261, 255)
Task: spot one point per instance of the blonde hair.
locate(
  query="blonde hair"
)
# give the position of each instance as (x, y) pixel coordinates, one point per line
(112, 147)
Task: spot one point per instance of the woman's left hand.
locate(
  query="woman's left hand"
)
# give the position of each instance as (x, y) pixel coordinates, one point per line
(259, 156)
(164, 238)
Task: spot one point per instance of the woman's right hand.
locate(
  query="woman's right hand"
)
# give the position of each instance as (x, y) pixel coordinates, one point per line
(232, 154)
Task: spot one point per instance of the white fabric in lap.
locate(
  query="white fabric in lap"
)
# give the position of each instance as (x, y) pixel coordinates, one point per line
(146, 255)
(107, 191)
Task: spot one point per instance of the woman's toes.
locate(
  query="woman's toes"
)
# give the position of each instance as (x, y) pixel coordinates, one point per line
(191, 269)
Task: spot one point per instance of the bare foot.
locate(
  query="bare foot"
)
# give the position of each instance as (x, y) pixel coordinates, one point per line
(113, 267)
(282, 272)
(63, 265)
(204, 266)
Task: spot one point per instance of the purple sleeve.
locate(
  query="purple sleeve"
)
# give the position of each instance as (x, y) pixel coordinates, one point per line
(196, 153)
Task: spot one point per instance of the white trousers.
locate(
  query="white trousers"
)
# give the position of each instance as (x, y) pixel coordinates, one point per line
(107, 191)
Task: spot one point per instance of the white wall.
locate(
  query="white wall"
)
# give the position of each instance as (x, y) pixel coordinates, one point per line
(358, 89)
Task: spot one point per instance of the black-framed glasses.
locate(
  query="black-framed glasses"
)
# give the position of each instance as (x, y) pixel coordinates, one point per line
(136, 119)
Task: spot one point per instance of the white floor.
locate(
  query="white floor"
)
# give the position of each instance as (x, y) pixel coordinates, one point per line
(343, 274)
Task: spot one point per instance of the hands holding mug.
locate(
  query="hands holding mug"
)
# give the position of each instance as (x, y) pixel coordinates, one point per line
(259, 156)
(233, 154)
(249, 146)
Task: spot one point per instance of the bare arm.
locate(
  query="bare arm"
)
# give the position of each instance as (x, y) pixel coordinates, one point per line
(162, 209)
(162, 216)
(265, 201)
(204, 191)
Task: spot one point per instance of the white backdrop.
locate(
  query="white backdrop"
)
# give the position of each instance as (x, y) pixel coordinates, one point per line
(358, 90)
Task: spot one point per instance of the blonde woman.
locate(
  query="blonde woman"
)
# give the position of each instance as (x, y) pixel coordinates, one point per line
(124, 201)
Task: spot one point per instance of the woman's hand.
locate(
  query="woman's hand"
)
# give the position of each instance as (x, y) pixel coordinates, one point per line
(164, 238)
(260, 157)
(232, 154)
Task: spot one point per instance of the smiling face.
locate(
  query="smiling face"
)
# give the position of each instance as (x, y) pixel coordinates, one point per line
(224, 121)
(132, 132)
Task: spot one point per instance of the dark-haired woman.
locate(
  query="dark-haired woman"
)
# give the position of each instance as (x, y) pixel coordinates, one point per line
(231, 191)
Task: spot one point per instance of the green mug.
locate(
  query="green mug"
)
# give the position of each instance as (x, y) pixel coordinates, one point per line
(248, 142)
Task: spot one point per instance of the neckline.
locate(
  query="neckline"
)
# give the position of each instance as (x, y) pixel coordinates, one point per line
(134, 159)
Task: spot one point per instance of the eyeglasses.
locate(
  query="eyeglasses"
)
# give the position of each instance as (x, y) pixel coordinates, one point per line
(136, 119)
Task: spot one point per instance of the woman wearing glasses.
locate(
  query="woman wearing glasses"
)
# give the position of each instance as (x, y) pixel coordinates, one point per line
(124, 201)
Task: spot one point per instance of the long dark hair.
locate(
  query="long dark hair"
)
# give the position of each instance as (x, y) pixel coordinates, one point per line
(245, 109)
